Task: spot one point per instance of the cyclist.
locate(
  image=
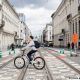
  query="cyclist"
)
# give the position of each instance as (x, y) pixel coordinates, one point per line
(31, 45)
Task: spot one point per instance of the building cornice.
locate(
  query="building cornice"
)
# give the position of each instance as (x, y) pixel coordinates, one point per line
(58, 9)
(12, 8)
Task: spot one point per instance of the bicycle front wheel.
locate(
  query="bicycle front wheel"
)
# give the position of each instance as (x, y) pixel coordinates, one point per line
(19, 62)
(39, 63)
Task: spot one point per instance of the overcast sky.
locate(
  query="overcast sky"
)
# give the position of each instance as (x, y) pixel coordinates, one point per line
(37, 12)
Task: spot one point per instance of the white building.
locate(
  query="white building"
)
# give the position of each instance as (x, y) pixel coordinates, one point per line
(48, 33)
(41, 39)
(28, 33)
(10, 25)
(11, 20)
(24, 31)
(66, 21)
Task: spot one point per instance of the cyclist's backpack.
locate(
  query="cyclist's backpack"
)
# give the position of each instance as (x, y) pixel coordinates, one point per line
(37, 44)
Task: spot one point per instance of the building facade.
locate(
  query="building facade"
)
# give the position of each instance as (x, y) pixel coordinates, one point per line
(47, 34)
(10, 19)
(66, 22)
(11, 26)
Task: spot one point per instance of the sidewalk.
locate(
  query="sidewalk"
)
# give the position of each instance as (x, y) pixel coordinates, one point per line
(6, 56)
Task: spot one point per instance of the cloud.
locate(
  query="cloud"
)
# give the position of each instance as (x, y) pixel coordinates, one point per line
(37, 12)
(23, 3)
(49, 4)
(36, 19)
(52, 4)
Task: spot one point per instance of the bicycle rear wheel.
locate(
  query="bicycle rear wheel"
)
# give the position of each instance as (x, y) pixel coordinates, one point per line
(19, 62)
(39, 63)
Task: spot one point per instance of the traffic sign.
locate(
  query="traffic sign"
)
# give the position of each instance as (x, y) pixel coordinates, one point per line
(75, 38)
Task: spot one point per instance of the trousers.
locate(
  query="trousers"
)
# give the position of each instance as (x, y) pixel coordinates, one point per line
(30, 53)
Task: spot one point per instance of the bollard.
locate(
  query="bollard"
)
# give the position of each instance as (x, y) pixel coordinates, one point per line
(9, 52)
(62, 51)
(14, 51)
(0, 54)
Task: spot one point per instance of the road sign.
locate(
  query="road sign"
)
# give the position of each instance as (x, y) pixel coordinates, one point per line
(74, 38)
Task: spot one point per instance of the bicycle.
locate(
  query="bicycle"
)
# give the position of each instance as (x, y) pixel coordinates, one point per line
(23, 60)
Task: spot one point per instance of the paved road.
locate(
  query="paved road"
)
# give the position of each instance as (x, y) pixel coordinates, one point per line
(33, 74)
(9, 72)
(57, 69)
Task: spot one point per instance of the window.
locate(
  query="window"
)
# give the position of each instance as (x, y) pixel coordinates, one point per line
(50, 33)
(21, 30)
(73, 27)
(50, 38)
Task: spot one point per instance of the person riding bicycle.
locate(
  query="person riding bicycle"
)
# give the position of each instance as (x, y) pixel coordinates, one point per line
(31, 45)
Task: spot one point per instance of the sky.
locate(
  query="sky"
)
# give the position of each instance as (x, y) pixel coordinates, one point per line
(37, 12)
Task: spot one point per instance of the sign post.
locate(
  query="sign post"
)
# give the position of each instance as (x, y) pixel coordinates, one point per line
(75, 40)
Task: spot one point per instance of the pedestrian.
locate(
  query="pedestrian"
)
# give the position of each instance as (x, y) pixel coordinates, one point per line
(68, 45)
(12, 46)
(72, 45)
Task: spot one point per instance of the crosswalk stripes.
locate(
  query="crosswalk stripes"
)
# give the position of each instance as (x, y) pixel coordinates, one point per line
(58, 69)
(33, 74)
(9, 72)
(76, 65)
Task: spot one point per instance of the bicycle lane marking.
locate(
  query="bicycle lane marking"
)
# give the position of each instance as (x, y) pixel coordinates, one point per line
(72, 64)
(76, 65)
(59, 69)
(34, 74)
(62, 56)
(9, 72)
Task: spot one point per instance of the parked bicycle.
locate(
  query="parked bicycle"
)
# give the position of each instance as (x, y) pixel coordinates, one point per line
(22, 61)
